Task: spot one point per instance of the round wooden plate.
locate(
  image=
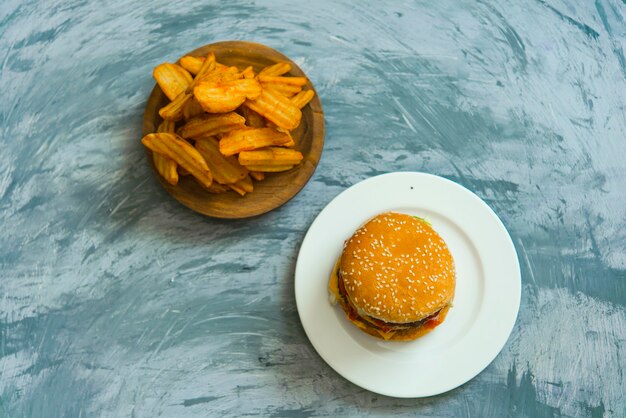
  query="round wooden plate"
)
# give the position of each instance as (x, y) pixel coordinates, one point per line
(277, 188)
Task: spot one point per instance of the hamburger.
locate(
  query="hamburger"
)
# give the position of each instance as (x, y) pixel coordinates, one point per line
(395, 278)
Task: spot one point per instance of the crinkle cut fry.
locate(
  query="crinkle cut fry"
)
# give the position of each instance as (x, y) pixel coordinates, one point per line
(179, 150)
(303, 98)
(270, 156)
(242, 187)
(290, 81)
(166, 167)
(172, 79)
(277, 109)
(225, 170)
(269, 168)
(209, 125)
(284, 89)
(276, 70)
(251, 138)
(226, 95)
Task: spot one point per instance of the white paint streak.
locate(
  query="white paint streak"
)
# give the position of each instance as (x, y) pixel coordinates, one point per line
(571, 340)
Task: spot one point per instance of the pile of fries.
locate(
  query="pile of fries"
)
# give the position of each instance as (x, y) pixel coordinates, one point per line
(226, 126)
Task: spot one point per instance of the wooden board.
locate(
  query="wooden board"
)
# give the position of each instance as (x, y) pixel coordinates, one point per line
(277, 188)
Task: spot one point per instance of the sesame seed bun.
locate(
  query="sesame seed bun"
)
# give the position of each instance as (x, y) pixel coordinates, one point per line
(396, 274)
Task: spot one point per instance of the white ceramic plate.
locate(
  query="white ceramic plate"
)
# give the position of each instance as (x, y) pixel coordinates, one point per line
(487, 293)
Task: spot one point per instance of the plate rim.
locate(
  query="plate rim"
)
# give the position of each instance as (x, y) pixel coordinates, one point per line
(515, 293)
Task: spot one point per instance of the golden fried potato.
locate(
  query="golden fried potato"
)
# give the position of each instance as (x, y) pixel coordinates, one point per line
(173, 79)
(290, 144)
(257, 175)
(179, 150)
(209, 64)
(276, 108)
(208, 125)
(192, 108)
(290, 81)
(225, 96)
(272, 125)
(225, 169)
(174, 110)
(191, 63)
(248, 72)
(253, 119)
(218, 72)
(276, 69)
(220, 77)
(165, 166)
(233, 69)
(303, 98)
(269, 168)
(243, 186)
(246, 184)
(249, 139)
(217, 188)
(270, 156)
(167, 126)
(283, 89)
(200, 66)
(230, 149)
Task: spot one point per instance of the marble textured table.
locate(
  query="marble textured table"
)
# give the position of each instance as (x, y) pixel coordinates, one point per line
(117, 301)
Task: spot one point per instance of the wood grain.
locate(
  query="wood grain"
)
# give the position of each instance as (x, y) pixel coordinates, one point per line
(277, 188)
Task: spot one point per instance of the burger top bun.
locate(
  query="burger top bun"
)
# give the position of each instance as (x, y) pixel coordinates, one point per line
(396, 268)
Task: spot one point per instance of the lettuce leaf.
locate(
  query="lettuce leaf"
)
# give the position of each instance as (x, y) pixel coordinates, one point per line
(426, 221)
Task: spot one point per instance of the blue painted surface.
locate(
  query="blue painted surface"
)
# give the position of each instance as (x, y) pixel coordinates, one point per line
(117, 301)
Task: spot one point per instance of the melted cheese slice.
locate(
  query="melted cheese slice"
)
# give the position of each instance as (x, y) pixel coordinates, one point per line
(333, 284)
